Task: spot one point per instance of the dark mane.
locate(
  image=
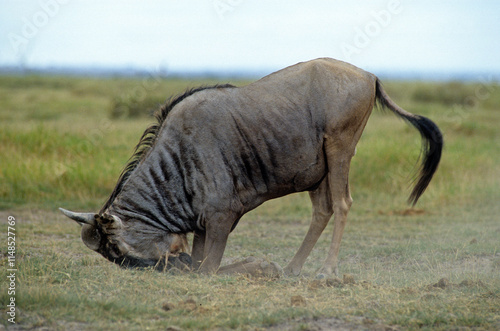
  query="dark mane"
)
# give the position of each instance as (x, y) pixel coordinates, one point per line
(149, 136)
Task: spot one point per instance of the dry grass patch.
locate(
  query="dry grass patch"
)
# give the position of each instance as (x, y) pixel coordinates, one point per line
(389, 279)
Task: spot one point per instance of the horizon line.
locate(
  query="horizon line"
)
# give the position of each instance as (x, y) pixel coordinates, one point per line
(101, 71)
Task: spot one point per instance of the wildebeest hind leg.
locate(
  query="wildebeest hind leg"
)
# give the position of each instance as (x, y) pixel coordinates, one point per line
(339, 160)
(322, 212)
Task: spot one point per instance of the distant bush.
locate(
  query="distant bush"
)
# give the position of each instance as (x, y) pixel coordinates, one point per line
(132, 107)
(448, 94)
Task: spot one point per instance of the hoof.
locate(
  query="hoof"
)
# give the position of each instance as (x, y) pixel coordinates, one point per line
(289, 272)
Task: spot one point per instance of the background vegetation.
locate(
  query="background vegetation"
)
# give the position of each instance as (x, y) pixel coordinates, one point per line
(64, 141)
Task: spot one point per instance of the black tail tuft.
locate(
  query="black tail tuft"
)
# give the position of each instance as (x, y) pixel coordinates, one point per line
(432, 146)
(432, 142)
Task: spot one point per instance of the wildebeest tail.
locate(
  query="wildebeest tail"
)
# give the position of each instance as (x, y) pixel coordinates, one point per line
(432, 142)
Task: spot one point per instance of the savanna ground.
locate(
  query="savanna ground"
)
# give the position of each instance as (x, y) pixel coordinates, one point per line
(64, 141)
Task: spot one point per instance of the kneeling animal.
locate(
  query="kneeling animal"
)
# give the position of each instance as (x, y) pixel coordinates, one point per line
(219, 152)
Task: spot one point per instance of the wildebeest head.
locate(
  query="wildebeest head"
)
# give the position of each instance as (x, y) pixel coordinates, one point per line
(131, 246)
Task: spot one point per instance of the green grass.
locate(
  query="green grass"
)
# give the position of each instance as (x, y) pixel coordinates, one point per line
(61, 146)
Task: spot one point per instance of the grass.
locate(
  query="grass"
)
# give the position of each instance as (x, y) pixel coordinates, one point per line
(434, 267)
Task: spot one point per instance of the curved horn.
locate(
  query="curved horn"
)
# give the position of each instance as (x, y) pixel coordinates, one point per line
(82, 218)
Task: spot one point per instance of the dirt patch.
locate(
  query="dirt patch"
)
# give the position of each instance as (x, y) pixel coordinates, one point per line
(189, 305)
(444, 283)
(298, 301)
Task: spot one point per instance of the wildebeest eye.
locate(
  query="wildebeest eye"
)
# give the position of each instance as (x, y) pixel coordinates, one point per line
(105, 220)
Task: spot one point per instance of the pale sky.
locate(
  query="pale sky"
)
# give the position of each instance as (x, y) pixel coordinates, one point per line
(251, 35)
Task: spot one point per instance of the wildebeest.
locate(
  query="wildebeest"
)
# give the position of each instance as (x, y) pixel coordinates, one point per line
(218, 152)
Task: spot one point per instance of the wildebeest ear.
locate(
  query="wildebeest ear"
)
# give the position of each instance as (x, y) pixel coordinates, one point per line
(91, 237)
(81, 218)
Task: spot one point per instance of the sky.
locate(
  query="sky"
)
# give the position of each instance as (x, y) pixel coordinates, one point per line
(230, 36)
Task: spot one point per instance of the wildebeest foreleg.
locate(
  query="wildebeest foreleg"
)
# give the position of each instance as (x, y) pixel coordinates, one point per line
(217, 232)
(198, 248)
(322, 212)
